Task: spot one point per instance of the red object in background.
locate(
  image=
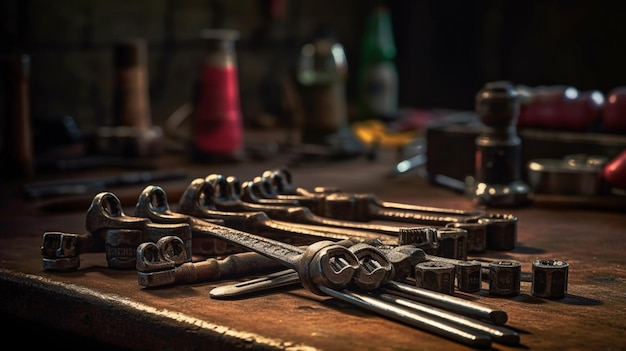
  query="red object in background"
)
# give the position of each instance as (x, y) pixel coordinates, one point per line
(581, 112)
(614, 171)
(614, 113)
(562, 108)
(218, 125)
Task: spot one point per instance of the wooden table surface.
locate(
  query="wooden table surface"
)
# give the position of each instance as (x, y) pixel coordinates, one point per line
(109, 306)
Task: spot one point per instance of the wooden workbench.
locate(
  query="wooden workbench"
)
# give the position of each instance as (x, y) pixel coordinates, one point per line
(107, 306)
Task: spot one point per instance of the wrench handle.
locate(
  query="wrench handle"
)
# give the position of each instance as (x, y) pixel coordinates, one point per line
(233, 266)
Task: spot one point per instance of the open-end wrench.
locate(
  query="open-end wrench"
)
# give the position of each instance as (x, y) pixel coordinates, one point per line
(159, 264)
(156, 268)
(105, 214)
(61, 251)
(109, 230)
(323, 263)
(260, 190)
(499, 229)
(225, 198)
(196, 202)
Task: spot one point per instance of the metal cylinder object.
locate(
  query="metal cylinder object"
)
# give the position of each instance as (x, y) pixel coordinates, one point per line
(476, 235)
(435, 276)
(498, 180)
(468, 276)
(501, 231)
(452, 243)
(572, 175)
(549, 278)
(504, 278)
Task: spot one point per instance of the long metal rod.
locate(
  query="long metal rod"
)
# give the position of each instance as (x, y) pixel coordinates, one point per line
(447, 302)
(499, 334)
(414, 318)
(443, 301)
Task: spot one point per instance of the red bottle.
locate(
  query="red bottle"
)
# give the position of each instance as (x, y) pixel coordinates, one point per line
(217, 125)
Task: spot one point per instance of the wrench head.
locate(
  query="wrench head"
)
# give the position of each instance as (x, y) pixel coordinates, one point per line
(173, 249)
(403, 258)
(280, 180)
(59, 245)
(224, 190)
(328, 264)
(197, 198)
(375, 267)
(156, 231)
(152, 204)
(105, 212)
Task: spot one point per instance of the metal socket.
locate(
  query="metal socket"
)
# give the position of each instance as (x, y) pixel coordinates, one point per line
(435, 276)
(476, 235)
(452, 243)
(501, 231)
(468, 276)
(504, 278)
(549, 278)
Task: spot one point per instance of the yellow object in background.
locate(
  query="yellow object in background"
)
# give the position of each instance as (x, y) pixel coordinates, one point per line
(376, 132)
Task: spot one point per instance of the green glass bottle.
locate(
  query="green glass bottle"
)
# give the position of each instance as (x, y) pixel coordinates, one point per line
(378, 76)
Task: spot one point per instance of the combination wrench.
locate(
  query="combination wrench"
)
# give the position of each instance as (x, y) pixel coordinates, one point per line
(486, 230)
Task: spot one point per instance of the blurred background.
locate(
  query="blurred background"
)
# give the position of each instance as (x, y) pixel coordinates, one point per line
(446, 50)
(443, 53)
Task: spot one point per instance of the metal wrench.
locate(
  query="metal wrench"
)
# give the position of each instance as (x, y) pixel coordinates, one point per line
(224, 198)
(196, 201)
(499, 229)
(443, 301)
(323, 263)
(160, 264)
(109, 230)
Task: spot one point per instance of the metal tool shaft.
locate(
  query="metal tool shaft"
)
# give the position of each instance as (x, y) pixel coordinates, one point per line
(414, 318)
(447, 302)
(497, 333)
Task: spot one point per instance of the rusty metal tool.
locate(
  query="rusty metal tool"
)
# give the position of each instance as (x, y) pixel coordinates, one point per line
(499, 229)
(225, 198)
(155, 266)
(401, 258)
(323, 263)
(414, 318)
(109, 230)
(499, 334)
(465, 330)
(196, 201)
(443, 301)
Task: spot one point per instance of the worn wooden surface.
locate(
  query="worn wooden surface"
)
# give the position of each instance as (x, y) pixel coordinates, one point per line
(109, 306)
